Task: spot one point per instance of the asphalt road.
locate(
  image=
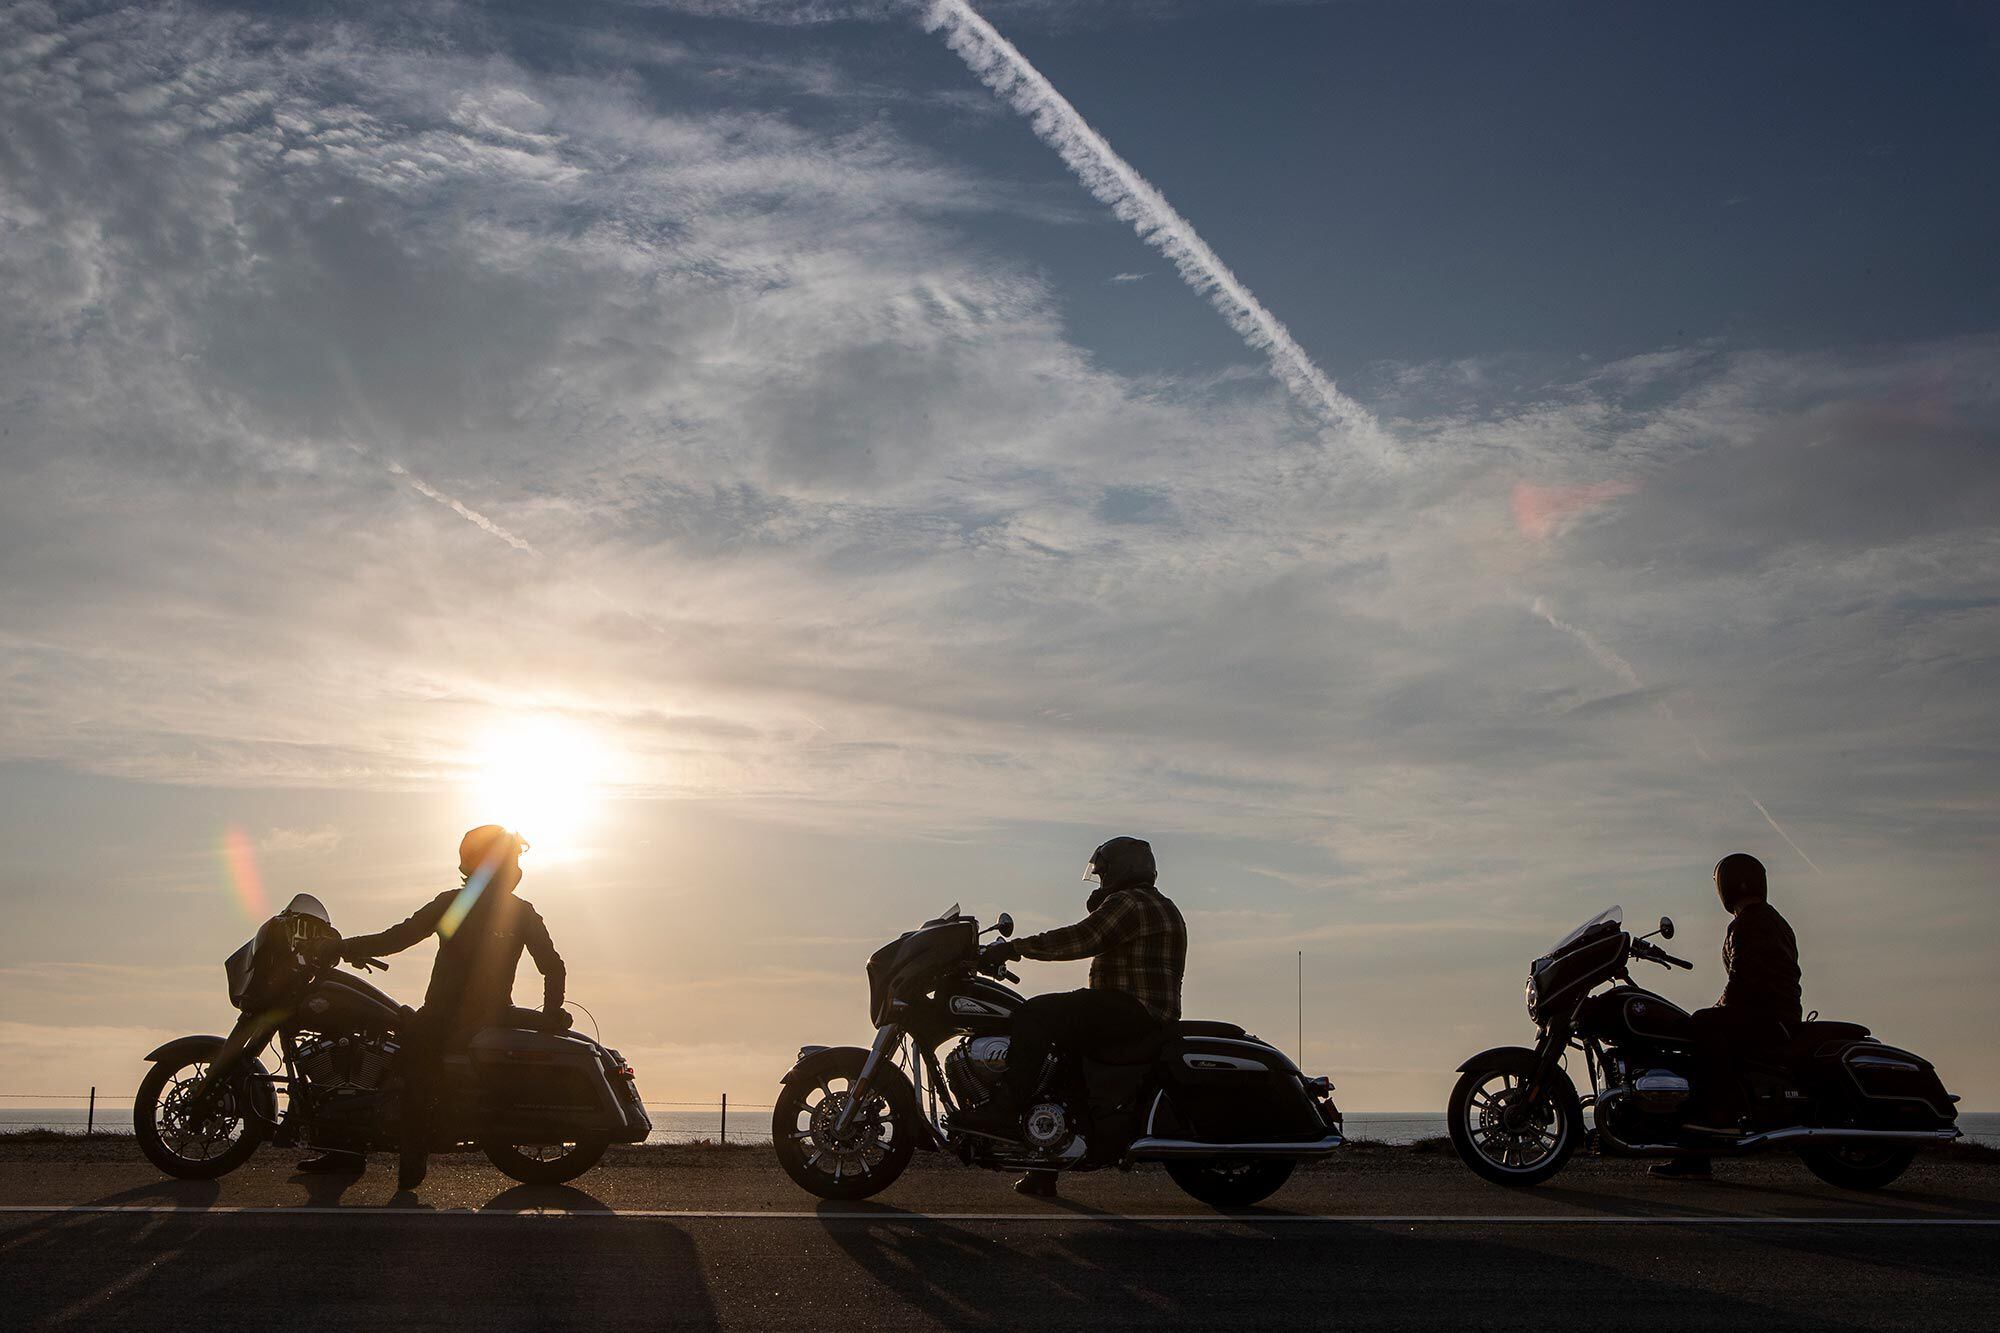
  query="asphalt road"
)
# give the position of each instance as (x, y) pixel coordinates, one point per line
(721, 1241)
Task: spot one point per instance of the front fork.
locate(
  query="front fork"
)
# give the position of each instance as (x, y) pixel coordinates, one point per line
(886, 1038)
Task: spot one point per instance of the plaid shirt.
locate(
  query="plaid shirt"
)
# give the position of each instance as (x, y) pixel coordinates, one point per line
(1137, 944)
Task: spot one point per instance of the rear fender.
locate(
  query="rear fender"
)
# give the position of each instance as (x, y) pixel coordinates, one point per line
(251, 1069)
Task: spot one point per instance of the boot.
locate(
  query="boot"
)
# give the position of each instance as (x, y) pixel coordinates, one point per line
(332, 1163)
(413, 1167)
(1037, 1185)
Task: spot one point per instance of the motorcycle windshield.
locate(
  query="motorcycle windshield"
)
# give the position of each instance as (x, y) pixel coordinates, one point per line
(1613, 916)
(948, 914)
(304, 904)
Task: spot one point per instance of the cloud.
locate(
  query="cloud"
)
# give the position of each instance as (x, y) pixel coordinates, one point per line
(1126, 277)
(838, 524)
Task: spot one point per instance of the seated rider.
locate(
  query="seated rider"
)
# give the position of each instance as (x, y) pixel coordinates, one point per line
(1137, 944)
(482, 928)
(1757, 1014)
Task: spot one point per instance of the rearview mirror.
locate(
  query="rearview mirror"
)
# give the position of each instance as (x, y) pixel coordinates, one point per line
(1005, 925)
(1666, 927)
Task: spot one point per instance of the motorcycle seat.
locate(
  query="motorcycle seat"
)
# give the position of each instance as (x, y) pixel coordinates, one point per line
(1813, 1036)
(1202, 1027)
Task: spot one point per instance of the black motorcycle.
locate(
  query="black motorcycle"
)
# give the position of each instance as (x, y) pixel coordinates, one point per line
(1228, 1113)
(543, 1106)
(1854, 1109)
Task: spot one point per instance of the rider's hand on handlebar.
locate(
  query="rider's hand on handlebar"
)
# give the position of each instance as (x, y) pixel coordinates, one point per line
(995, 956)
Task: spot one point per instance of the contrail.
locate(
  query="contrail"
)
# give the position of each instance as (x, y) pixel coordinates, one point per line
(469, 514)
(1114, 182)
(1602, 654)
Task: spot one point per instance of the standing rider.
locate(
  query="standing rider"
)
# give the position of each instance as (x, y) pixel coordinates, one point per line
(1756, 1015)
(482, 928)
(1137, 944)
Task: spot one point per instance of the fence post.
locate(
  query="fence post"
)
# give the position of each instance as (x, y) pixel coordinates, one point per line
(90, 1117)
(725, 1117)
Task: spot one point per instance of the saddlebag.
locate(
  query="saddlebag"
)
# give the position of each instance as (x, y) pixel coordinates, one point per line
(546, 1084)
(1886, 1087)
(1221, 1090)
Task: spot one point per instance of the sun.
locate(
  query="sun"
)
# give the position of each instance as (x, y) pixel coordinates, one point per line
(542, 777)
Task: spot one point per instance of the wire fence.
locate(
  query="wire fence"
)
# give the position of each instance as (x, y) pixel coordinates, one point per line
(100, 1112)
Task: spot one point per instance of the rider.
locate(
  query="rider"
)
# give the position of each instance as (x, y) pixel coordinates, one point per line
(1137, 943)
(482, 927)
(1757, 1012)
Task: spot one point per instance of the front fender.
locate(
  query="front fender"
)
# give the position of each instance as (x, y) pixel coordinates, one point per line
(852, 1058)
(259, 1078)
(1508, 1059)
(813, 1054)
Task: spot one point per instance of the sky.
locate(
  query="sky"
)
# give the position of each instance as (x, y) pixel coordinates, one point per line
(729, 442)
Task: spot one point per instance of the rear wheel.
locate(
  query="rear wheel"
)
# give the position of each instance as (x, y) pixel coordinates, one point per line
(1508, 1137)
(1860, 1167)
(867, 1156)
(545, 1163)
(1230, 1182)
(189, 1128)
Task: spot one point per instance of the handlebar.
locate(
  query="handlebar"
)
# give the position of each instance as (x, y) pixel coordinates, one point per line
(1653, 953)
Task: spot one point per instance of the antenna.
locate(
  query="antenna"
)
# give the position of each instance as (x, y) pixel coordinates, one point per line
(1302, 1008)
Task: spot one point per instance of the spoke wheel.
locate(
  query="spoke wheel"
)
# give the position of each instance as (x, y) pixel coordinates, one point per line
(851, 1163)
(1504, 1135)
(545, 1163)
(189, 1127)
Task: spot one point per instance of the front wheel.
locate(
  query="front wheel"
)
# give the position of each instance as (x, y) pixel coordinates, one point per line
(1230, 1182)
(1862, 1167)
(870, 1153)
(1507, 1137)
(545, 1163)
(189, 1128)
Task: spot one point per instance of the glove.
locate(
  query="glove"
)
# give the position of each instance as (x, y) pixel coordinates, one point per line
(998, 953)
(554, 1020)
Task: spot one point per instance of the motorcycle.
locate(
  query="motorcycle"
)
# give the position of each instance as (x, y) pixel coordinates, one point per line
(543, 1106)
(1228, 1113)
(1855, 1109)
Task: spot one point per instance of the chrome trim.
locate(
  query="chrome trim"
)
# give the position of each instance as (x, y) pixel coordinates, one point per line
(1202, 1060)
(1153, 1112)
(1149, 1147)
(1794, 1135)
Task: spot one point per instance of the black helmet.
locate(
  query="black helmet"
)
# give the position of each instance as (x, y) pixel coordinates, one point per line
(1739, 878)
(490, 846)
(1122, 861)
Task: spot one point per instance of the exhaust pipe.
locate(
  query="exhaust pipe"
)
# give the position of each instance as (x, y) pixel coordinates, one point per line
(1149, 1149)
(1796, 1135)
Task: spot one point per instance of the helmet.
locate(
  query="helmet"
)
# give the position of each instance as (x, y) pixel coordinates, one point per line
(1122, 861)
(490, 846)
(1739, 878)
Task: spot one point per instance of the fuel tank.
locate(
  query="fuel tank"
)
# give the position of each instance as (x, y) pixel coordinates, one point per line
(340, 1003)
(1629, 1015)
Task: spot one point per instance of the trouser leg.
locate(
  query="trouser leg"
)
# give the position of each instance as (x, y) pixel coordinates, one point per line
(423, 1052)
(1080, 1021)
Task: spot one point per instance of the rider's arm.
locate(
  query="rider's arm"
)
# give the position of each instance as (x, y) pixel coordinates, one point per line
(1086, 939)
(421, 925)
(535, 934)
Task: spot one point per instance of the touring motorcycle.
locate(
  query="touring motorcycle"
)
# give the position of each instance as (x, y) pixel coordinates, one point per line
(1228, 1113)
(1855, 1109)
(543, 1106)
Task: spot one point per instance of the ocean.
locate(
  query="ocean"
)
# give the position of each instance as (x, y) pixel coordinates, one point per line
(682, 1123)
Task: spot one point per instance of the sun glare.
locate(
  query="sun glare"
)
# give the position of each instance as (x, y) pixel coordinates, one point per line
(542, 778)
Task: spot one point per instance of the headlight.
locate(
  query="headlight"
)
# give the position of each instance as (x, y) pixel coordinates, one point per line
(1534, 994)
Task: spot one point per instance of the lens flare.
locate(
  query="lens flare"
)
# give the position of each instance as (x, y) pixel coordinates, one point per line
(239, 862)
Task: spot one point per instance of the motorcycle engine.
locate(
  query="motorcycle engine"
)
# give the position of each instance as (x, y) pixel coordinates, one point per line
(974, 1068)
(352, 1062)
(1659, 1091)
